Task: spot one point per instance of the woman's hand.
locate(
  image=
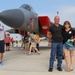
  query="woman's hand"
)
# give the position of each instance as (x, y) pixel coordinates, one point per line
(72, 40)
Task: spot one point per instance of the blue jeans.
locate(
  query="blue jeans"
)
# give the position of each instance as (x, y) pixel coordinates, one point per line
(56, 48)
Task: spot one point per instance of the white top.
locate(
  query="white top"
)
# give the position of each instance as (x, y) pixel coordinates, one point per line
(2, 32)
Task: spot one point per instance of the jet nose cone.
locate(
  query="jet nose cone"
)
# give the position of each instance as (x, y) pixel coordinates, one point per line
(13, 18)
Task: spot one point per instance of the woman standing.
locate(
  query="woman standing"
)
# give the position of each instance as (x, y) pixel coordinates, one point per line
(7, 42)
(68, 39)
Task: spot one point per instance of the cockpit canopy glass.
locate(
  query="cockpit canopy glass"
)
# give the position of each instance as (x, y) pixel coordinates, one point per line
(27, 7)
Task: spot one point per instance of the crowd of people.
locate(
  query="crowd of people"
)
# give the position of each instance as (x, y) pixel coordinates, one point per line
(9, 41)
(62, 42)
(30, 42)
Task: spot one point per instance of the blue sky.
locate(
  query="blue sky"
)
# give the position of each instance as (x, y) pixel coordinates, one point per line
(66, 8)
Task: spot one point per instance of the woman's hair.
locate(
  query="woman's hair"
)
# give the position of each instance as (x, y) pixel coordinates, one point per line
(67, 22)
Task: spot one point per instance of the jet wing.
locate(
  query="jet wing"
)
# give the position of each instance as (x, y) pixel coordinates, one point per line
(13, 31)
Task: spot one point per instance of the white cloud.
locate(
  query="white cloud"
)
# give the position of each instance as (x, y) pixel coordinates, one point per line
(67, 9)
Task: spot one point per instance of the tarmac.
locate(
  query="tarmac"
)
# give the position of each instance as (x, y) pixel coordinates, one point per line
(16, 62)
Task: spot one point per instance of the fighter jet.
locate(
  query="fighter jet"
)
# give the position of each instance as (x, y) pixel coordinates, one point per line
(25, 19)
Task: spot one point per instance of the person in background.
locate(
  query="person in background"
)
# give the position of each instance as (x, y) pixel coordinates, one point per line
(32, 36)
(2, 37)
(55, 34)
(22, 43)
(12, 41)
(26, 42)
(34, 41)
(30, 43)
(7, 42)
(38, 37)
(33, 45)
(16, 40)
(68, 47)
